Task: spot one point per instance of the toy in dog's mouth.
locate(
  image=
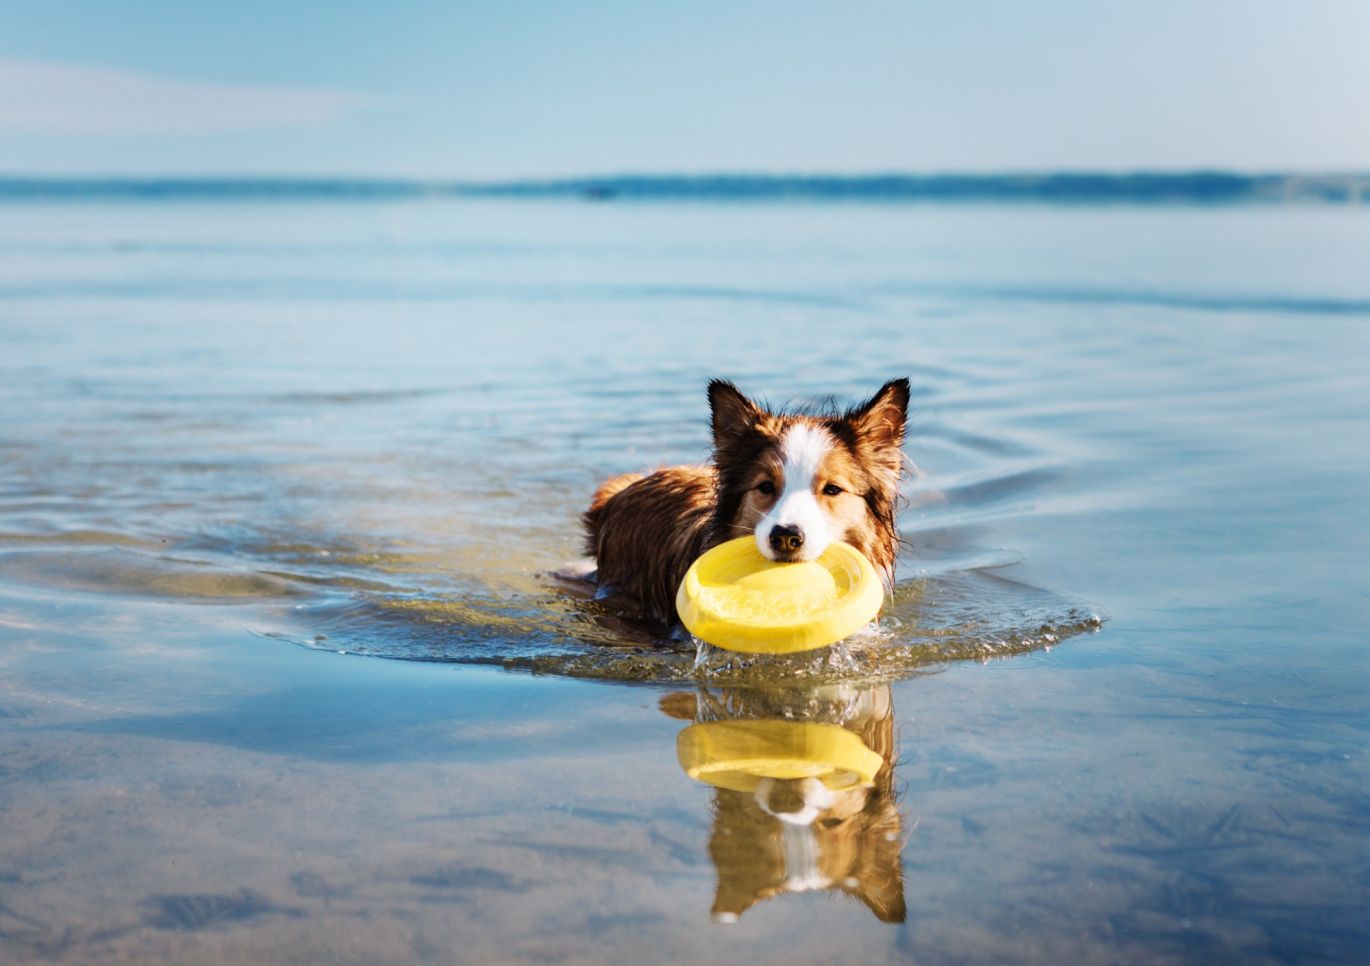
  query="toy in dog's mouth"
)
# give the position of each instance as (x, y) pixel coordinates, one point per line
(736, 599)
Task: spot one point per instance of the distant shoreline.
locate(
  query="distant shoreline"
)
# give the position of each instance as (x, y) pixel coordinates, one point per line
(1197, 187)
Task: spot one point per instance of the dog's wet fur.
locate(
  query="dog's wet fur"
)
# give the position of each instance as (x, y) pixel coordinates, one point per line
(796, 480)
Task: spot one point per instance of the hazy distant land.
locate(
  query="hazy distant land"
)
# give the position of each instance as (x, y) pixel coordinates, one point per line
(1198, 187)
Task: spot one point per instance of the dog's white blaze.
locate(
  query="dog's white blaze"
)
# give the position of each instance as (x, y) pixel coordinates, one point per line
(803, 450)
(802, 855)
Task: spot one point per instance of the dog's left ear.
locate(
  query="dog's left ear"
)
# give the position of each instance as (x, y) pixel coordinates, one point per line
(881, 420)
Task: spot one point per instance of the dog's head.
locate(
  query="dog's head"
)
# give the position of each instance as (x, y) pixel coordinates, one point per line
(799, 481)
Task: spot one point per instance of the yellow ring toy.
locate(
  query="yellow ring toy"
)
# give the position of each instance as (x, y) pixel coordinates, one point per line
(738, 754)
(734, 598)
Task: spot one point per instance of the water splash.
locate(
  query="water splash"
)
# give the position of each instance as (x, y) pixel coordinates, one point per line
(975, 615)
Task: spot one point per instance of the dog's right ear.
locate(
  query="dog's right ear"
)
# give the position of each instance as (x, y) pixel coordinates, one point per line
(733, 413)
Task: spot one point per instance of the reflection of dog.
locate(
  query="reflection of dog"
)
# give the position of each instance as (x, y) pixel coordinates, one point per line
(796, 481)
(797, 834)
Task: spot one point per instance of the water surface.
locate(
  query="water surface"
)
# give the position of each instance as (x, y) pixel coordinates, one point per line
(282, 484)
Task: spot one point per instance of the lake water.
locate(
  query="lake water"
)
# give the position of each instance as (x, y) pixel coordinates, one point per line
(284, 675)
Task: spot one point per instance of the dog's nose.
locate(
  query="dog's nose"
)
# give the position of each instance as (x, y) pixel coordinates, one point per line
(785, 798)
(785, 539)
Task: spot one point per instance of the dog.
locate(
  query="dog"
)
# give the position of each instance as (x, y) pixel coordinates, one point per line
(791, 835)
(796, 480)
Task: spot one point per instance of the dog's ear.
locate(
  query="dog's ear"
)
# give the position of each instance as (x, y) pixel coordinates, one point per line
(683, 705)
(877, 878)
(733, 413)
(880, 421)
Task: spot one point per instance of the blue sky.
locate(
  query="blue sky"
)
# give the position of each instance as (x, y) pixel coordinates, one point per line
(495, 90)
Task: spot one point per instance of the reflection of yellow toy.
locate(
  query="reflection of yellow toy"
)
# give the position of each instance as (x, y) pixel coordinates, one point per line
(735, 598)
(738, 754)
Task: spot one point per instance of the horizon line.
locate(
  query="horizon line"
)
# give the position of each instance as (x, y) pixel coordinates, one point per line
(721, 172)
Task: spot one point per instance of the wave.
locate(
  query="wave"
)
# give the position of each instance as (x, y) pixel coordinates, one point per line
(856, 299)
(1200, 301)
(1190, 187)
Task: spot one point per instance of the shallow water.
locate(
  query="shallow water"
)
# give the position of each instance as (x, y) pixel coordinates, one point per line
(368, 429)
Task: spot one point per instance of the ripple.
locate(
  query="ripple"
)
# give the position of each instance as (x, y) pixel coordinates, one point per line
(126, 572)
(354, 397)
(975, 615)
(1276, 303)
(76, 538)
(361, 289)
(983, 490)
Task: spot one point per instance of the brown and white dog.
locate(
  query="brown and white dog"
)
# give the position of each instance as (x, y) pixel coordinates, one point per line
(793, 835)
(797, 480)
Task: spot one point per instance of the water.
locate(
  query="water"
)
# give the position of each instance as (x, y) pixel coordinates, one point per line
(252, 452)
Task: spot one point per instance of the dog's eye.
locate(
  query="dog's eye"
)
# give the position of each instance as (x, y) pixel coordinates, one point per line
(765, 488)
(832, 489)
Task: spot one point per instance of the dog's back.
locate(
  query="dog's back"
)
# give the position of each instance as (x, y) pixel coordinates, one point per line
(645, 531)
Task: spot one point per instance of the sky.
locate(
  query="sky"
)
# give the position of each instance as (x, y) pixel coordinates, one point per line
(504, 90)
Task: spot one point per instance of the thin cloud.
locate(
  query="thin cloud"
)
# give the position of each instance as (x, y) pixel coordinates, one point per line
(58, 98)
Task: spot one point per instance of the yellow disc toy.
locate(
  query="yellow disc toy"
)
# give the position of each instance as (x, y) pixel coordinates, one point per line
(739, 754)
(734, 598)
